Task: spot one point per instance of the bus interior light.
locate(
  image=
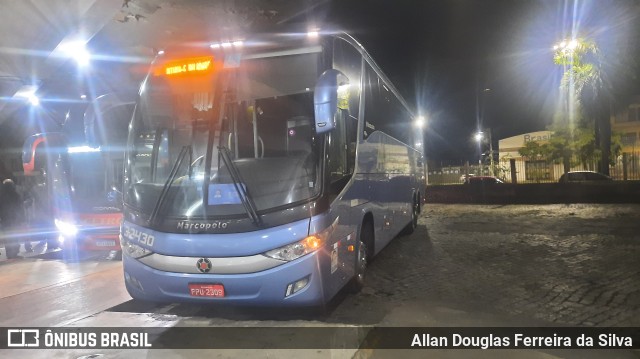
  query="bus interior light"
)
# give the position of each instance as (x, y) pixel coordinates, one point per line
(82, 149)
(226, 44)
(76, 50)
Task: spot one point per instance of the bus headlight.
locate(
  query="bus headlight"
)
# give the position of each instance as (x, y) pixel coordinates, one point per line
(66, 228)
(133, 250)
(297, 249)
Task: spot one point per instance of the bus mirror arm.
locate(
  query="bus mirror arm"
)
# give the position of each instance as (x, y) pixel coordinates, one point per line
(325, 99)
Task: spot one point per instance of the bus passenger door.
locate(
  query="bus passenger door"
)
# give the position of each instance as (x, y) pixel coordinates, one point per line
(340, 167)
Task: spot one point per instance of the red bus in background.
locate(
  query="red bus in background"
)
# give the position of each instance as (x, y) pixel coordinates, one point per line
(78, 176)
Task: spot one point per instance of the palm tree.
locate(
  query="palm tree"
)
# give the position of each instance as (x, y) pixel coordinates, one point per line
(584, 75)
(602, 83)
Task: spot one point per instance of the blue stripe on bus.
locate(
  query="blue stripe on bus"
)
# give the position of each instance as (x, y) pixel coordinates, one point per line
(224, 245)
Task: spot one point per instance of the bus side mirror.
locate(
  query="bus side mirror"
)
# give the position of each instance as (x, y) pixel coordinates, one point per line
(325, 99)
(114, 195)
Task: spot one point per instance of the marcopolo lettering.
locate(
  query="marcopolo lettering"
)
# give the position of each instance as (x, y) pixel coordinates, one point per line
(202, 225)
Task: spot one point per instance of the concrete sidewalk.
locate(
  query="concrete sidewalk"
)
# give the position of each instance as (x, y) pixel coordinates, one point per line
(408, 314)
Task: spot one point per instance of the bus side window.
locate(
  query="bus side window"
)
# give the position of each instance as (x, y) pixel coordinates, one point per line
(337, 150)
(372, 103)
(342, 145)
(351, 124)
(342, 151)
(349, 61)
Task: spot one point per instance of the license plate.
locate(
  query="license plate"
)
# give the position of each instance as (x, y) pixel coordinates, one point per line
(105, 243)
(206, 290)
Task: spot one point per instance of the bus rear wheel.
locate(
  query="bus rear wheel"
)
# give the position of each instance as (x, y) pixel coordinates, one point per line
(415, 212)
(366, 236)
(357, 282)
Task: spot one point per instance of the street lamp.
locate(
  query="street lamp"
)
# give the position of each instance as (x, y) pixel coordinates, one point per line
(419, 142)
(479, 136)
(76, 50)
(566, 46)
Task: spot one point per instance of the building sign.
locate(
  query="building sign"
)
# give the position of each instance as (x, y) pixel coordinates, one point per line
(513, 144)
(538, 136)
(200, 64)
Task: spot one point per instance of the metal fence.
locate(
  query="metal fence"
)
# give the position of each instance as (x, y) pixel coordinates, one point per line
(626, 167)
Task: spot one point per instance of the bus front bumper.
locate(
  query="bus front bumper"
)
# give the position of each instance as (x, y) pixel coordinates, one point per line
(91, 241)
(265, 288)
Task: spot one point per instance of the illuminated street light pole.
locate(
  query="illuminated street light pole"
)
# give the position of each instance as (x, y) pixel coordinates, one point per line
(492, 170)
(420, 122)
(479, 136)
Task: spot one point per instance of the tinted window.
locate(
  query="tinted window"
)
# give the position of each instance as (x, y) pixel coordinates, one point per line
(342, 151)
(384, 111)
(372, 121)
(596, 177)
(349, 61)
(576, 176)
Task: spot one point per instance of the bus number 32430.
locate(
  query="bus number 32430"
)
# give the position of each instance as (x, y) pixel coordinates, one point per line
(142, 237)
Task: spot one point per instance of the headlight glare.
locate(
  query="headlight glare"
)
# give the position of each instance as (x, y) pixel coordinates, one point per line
(297, 249)
(66, 228)
(133, 250)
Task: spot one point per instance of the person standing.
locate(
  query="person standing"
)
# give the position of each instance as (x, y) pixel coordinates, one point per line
(11, 217)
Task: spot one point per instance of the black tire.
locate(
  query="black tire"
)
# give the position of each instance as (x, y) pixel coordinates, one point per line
(415, 212)
(357, 282)
(12, 250)
(364, 256)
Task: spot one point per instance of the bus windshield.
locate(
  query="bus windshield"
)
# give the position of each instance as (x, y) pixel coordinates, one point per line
(86, 179)
(260, 111)
(94, 181)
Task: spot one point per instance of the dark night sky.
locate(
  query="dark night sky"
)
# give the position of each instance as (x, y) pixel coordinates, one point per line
(442, 54)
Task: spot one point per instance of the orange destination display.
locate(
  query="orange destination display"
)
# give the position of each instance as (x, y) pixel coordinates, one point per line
(185, 66)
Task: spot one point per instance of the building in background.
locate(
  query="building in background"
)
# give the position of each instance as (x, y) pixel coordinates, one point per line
(527, 170)
(626, 166)
(627, 124)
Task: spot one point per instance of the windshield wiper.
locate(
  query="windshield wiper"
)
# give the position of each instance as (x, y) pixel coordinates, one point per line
(186, 150)
(245, 197)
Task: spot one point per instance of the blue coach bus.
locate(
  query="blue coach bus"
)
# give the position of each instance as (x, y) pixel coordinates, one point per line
(265, 172)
